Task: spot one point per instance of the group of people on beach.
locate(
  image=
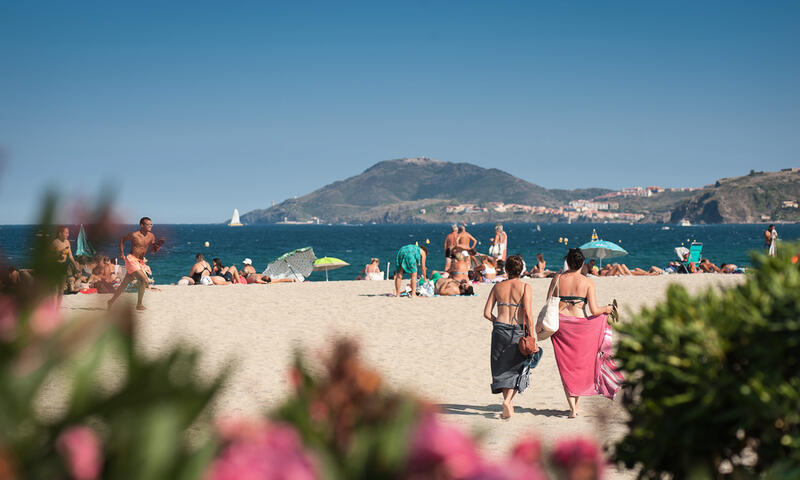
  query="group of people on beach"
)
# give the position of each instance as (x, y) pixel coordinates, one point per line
(217, 273)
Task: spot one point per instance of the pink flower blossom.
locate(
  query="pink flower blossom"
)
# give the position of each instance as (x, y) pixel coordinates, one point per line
(81, 451)
(579, 458)
(273, 453)
(46, 318)
(8, 317)
(528, 450)
(439, 447)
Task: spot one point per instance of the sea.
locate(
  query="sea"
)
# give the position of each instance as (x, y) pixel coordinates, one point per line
(646, 245)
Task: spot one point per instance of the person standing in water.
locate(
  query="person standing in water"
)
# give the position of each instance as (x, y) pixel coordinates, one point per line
(141, 240)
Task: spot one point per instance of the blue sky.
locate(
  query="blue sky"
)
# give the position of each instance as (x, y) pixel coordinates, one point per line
(186, 111)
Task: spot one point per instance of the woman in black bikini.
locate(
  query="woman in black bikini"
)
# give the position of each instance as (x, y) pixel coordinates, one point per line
(230, 274)
(513, 299)
(576, 342)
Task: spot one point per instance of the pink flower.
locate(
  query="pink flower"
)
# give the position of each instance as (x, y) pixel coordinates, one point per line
(439, 447)
(528, 450)
(81, 450)
(8, 317)
(580, 458)
(274, 453)
(45, 318)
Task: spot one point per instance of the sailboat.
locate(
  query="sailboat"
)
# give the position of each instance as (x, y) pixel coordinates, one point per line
(235, 219)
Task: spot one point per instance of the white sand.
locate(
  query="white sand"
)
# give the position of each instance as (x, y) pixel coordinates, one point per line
(435, 347)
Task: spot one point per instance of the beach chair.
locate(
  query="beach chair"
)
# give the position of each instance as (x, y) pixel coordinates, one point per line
(695, 249)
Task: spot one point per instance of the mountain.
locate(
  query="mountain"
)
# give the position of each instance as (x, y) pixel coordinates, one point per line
(754, 198)
(398, 190)
(422, 190)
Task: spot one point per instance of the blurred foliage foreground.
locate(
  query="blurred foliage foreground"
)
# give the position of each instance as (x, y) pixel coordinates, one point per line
(713, 380)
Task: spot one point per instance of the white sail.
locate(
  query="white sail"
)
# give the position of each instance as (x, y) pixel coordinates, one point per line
(235, 219)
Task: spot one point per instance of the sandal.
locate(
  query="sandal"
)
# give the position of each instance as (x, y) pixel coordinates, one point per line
(614, 311)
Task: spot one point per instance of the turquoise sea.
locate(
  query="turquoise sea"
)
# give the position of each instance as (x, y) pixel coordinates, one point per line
(647, 244)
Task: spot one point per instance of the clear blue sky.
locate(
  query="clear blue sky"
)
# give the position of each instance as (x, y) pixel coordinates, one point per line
(186, 111)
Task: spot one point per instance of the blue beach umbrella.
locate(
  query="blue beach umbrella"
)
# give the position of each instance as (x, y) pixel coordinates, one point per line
(601, 249)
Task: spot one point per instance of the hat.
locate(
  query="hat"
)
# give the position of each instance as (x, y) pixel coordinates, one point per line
(247, 261)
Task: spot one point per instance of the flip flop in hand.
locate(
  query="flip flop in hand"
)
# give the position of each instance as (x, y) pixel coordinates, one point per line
(614, 311)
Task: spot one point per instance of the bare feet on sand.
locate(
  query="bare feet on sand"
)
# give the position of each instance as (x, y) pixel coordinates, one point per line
(508, 410)
(140, 307)
(573, 413)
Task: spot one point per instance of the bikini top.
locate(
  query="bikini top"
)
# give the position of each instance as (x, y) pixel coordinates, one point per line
(504, 304)
(489, 270)
(572, 300)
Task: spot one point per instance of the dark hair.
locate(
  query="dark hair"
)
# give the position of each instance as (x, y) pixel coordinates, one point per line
(540, 257)
(424, 249)
(60, 229)
(575, 258)
(218, 262)
(199, 256)
(466, 290)
(513, 266)
(461, 228)
(771, 226)
(723, 265)
(141, 220)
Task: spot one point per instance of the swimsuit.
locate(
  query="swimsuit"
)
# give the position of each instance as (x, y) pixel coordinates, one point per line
(573, 300)
(133, 264)
(197, 276)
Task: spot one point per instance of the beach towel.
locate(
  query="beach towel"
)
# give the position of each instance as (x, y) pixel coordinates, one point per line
(506, 361)
(583, 351)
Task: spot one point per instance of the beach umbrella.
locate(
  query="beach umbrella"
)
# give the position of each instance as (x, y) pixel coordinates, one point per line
(328, 263)
(297, 264)
(601, 249)
(84, 247)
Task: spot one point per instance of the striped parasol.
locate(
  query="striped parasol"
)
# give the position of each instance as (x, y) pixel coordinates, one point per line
(297, 264)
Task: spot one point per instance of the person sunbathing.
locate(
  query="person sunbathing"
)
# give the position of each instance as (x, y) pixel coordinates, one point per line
(540, 269)
(371, 271)
(460, 266)
(488, 270)
(730, 268)
(708, 267)
(450, 287)
(230, 274)
(102, 276)
(200, 274)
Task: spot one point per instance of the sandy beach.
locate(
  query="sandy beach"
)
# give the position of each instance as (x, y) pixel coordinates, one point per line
(436, 347)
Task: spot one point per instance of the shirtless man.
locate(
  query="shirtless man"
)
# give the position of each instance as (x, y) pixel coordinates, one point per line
(449, 243)
(464, 239)
(63, 252)
(141, 240)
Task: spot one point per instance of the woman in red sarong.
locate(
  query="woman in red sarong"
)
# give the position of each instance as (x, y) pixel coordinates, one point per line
(580, 344)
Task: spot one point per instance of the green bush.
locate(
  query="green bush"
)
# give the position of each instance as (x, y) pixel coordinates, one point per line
(713, 389)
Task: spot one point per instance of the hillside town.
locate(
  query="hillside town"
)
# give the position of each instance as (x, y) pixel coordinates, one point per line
(600, 208)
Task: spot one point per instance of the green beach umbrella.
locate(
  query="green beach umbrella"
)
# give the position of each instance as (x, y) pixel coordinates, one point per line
(328, 263)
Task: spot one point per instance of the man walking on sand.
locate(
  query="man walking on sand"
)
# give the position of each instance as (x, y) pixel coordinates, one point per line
(141, 240)
(449, 243)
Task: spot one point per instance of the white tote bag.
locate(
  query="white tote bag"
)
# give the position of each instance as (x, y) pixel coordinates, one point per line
(547, 323)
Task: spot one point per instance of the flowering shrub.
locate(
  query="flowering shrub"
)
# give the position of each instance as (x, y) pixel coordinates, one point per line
(713, 388)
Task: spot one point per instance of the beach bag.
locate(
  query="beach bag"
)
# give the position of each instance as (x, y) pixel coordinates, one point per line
(547, 323)
(494, 250)
(527, 344)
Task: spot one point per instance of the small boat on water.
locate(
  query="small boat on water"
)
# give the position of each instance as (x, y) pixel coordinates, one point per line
(235, 219)
(665, 227)
(686, 223)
